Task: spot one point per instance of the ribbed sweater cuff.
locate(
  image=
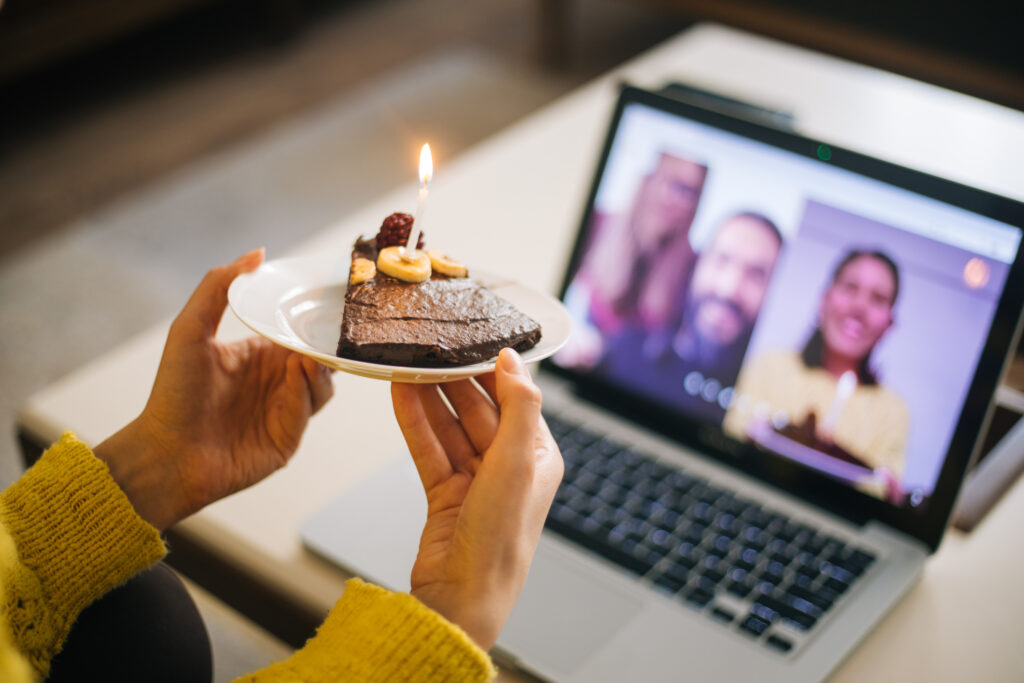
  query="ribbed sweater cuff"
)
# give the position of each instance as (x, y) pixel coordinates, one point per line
(75, 529)
(373, 634)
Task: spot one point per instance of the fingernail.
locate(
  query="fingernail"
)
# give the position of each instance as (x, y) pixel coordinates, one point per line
(511, 362)
(253, 257)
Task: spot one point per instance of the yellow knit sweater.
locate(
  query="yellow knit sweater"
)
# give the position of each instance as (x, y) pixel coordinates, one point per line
(68, 535)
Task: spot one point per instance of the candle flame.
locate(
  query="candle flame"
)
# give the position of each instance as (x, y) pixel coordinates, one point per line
(426, 166)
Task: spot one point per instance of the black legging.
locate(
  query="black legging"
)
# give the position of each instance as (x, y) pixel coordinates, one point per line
(147, 630)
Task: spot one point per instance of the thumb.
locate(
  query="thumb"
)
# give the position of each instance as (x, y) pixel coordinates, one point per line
(519, 402)
(205, 308)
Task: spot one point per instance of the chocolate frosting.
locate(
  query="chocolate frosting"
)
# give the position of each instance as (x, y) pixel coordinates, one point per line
(441, 322)
(805, 433)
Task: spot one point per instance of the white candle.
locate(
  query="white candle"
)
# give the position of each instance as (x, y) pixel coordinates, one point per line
(846, 386)
(426, 173)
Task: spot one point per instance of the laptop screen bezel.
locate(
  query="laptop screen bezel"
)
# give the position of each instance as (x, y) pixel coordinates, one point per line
(927, 524)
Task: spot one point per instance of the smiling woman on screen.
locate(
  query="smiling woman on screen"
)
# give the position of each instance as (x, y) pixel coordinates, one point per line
(830, 387)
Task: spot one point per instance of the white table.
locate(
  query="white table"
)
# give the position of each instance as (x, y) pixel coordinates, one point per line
(523, 190)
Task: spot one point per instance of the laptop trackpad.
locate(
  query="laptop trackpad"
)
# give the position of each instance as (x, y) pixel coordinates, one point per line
(563, 615)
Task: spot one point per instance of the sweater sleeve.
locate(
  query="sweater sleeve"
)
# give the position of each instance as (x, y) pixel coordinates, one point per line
(75, 536)
(376, 635)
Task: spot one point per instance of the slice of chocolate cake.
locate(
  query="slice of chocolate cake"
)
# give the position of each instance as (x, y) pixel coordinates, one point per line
(436, 320)
(806, 434)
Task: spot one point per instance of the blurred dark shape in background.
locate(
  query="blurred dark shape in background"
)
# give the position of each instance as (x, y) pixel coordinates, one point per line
(235, 67)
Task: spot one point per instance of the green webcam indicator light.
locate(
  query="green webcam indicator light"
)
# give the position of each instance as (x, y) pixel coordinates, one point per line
(824, 153)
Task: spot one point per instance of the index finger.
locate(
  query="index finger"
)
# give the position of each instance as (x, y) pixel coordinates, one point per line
(201, 315)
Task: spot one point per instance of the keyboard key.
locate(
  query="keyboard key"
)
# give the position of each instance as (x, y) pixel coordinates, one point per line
(803, 559)
(607, 447)
(621, 478)
(727, 522)
(723, 615)
(738, 574)
(712, 575)
(815, 544)
(814, 597)
(681, 482)
(738, 588)
(588, 481)
(778, 643)
(834, 585)
(754, 626)
(722, 543)
(632, 458)
(690, 550)
(800, 622)
(730, 505)
(669, 583)
(566, 515)
(770, 609)
(774, 572)
(809, 575)
(646, 488)
(671, 518)
(634, 504)
(860, 559)
(764, 612)
(694, 533)
(612, 494)
(833, 546)
(748, 559)
(702, 511)
(592, 526)
(658, 471)
(718, 555)
(751, 511)
(787, 532)
(801, 605)
(660, 540)
(836, 572)
(582, 437)
(705, 584)
(846, 562)
(584, 505)
(677, 572)
(600, 545)
(699, 597)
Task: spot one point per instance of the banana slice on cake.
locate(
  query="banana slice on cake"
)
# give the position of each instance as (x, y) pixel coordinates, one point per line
(408, 267)
(362, 270)
(446, 265)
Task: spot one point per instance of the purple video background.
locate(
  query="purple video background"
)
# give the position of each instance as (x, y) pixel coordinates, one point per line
(929, 355)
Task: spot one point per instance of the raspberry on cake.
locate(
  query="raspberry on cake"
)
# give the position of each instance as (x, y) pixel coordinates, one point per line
(421, 309)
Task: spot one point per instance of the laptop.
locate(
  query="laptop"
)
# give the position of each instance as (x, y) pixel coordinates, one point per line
(783, 355)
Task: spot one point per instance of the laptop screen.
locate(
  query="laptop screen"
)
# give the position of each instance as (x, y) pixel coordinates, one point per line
(823, 316)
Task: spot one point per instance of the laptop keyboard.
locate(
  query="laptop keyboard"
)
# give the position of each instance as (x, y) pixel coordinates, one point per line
(744, 565)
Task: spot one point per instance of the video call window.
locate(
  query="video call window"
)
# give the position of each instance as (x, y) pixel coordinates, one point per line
(828, 318)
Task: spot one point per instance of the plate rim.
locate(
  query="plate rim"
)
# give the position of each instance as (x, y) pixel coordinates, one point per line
(382, 371)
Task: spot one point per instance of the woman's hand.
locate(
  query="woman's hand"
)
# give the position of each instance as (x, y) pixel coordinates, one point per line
(220, 418)
(490, 473)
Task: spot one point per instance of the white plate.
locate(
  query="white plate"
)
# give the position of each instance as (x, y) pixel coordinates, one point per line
(297, 303)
